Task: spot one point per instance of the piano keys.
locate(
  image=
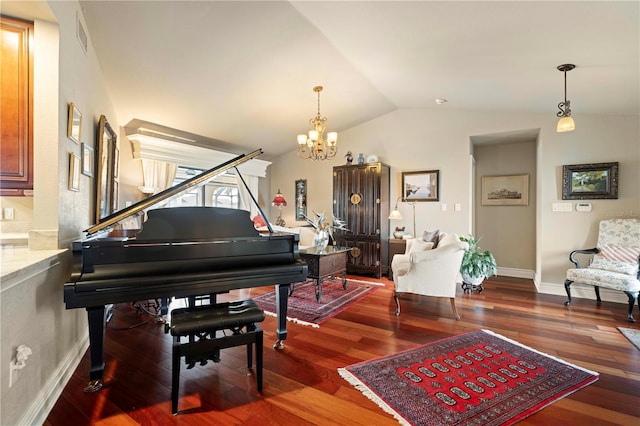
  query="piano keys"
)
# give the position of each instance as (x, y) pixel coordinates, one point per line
(180, 252)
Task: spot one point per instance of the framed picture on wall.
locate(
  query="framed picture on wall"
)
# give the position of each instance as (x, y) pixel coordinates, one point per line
(74, 172)
(301, 199)
(590, 181)
(105, 159)
(87, 160)
(507, 190)
(421, 186)
(74, 125)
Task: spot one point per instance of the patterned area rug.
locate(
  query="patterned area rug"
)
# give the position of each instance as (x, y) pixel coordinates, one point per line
(632, 334)
(304, 309)
(479, 378)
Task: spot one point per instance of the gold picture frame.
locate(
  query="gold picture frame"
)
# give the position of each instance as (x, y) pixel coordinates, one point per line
(105, 154)
(507, 190)
(74, 126)
(74, 172)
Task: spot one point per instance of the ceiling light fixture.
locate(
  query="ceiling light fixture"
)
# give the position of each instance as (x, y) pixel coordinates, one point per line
(314, 146)
(566, 123)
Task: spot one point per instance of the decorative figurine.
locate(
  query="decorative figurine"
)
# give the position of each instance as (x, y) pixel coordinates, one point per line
(349, 158)
(361, 158)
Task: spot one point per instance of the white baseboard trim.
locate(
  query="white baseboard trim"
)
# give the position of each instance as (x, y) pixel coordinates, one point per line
(584, 291)
(38, 411)
(517, 273)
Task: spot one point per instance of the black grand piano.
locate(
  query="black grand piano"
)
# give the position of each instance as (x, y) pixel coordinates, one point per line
(180, 252)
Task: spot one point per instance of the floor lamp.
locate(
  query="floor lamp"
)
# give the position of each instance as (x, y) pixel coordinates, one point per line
(395, 214)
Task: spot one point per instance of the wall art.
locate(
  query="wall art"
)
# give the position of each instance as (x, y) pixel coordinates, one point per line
(590, 181)
(507, 190)
(421, 186)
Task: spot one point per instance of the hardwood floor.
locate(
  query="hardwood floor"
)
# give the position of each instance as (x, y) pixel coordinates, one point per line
(301, 383)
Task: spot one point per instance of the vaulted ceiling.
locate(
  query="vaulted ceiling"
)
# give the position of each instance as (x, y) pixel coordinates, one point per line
(243, 72)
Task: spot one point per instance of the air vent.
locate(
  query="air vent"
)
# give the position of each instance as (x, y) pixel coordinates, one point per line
(81, 34)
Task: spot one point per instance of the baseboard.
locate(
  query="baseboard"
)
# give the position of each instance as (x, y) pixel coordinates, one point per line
(517, 273)
(584, 291)
(38, 411)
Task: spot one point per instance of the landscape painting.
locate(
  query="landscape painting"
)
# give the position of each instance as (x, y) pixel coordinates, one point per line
(590, 181)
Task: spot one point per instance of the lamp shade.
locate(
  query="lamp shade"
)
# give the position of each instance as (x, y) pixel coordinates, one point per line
(395, 215)
(278, 200)
(566, 124)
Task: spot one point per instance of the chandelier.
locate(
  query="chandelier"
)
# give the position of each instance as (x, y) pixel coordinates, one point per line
(566, 123)
(314, 146)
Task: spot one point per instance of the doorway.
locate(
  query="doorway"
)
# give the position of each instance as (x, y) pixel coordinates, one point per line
(507, 228)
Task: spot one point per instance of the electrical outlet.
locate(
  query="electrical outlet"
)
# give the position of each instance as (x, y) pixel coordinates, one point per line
(444, 207)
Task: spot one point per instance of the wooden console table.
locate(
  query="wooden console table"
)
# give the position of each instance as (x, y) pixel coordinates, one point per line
(326, 263)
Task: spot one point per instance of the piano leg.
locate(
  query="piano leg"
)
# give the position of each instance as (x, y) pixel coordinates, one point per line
(282, 294)
(96, 342)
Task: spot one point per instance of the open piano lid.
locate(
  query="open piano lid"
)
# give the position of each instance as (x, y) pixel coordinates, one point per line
(190, 183)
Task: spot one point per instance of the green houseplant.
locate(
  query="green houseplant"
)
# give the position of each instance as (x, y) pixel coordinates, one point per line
(476, 264)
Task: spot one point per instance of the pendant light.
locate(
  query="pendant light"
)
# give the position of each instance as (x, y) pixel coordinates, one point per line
(566, 123)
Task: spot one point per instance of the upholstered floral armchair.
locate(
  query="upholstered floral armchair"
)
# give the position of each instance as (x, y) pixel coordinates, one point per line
(613, 263)
(428, 270)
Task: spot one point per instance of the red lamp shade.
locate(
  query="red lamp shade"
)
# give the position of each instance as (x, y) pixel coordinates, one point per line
(278, 200)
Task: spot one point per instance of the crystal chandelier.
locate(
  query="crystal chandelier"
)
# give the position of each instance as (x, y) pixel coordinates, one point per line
(314, 146)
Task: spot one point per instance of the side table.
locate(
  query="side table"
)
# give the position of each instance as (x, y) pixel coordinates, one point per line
(332, 261)
(396, 246)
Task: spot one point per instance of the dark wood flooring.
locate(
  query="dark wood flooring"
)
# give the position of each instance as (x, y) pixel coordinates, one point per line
(302, 385)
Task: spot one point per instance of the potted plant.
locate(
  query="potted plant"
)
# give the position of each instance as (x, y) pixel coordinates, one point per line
(476, 264)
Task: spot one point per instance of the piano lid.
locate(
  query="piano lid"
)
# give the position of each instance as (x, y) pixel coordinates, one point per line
(190, 183)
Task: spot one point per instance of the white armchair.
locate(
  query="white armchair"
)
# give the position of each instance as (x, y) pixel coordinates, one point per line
(429, 272)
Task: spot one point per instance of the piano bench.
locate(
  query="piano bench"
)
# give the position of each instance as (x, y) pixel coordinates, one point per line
(200, 325)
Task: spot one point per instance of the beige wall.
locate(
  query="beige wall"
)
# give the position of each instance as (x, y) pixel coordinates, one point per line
(440, 139)
(31, 308)
(509, 232)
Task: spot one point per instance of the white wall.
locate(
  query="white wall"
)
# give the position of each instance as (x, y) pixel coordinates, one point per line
(410, 140)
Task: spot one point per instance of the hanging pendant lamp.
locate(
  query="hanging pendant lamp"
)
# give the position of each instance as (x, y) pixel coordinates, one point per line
(566, 123)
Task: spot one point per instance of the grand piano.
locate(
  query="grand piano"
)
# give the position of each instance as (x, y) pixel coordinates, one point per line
(179, 252)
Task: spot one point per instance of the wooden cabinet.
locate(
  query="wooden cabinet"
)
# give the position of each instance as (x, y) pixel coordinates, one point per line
(16, 110)
(361, 199)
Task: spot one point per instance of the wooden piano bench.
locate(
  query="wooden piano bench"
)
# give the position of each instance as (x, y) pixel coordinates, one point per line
(200, 326)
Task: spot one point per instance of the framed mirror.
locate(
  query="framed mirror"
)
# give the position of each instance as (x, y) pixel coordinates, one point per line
(105, 162)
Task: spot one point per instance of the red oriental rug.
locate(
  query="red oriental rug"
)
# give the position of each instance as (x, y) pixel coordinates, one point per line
(303, 308)
(479, 378)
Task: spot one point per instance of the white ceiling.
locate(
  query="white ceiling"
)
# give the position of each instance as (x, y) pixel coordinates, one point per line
(243, 72)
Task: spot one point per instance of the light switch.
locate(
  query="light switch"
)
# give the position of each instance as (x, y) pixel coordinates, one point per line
(457, 207)
(562, 207)
(8, 212)
(444, 207)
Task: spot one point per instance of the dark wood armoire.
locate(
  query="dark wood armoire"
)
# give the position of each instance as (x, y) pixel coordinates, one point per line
(361, 199)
